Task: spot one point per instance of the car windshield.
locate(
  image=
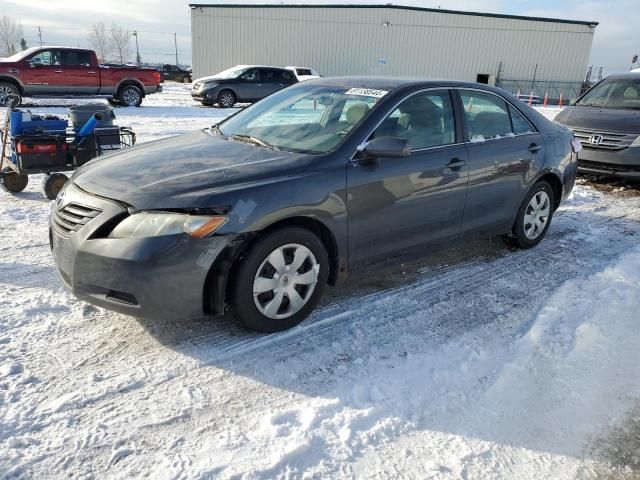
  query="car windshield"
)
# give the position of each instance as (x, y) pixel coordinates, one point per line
(232, 72)
(303, 118)
(20, 55)
(614, 93)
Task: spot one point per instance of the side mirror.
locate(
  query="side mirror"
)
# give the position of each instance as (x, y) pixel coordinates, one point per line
(387, 146)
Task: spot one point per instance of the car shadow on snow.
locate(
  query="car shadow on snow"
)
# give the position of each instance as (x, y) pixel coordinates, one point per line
(414, 307)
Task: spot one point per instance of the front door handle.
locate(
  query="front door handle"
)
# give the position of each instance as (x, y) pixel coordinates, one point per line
(58, 71)
(534, 148)
(455, 164)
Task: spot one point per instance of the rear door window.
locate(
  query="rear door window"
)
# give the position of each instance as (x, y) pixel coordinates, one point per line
(76, 58)
(487, 116)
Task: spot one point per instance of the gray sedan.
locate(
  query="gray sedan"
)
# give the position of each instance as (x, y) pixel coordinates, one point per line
(261, 211)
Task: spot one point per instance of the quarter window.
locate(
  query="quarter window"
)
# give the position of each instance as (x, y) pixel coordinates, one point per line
(425, 119)
(520, 124)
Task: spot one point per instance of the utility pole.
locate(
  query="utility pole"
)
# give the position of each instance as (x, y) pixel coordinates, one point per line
(40, 35)
(138, 58)
(175, 42)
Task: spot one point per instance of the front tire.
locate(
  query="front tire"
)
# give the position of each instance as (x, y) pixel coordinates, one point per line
(130, 96)
(280, 280)
(226, 99)
(9, 95)
(534, 217)
(52, 184)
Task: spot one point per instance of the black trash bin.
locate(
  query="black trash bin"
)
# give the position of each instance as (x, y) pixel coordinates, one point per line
(81, 113)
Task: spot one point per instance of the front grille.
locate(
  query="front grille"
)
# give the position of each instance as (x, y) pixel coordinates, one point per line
(72, 217)
(608, 140)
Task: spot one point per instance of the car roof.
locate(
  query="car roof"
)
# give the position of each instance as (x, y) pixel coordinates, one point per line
(393, 83)
(631, 75)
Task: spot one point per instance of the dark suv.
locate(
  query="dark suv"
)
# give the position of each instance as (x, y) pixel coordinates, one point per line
(242, 83)
(175, 73)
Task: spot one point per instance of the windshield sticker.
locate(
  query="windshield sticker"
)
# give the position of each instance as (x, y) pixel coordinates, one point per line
(367, 92)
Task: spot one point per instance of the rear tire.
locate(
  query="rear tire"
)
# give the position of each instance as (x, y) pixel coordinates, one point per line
(130, 96)
(271, 262)
(10, 93)
(226, 99)
(14, 183)
(52, 184)
(534, 217)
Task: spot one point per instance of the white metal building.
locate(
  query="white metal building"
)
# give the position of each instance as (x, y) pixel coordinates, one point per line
(517, 53)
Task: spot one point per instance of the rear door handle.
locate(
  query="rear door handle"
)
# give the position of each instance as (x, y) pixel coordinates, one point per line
(455, 164)
(58, 71)
(534, 148)
(91, 73)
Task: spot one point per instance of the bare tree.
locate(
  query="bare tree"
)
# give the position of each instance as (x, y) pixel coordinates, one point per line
(120, 38)
(100, 40)
(10, 35)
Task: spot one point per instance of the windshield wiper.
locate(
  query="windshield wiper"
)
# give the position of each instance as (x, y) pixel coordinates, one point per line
(251, 139)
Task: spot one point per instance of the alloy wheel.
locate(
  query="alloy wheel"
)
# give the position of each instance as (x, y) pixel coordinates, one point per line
(131, 97)
(285, 281)
(536, 215)
(226, 99)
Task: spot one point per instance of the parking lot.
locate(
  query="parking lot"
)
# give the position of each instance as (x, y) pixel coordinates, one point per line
(473, 361)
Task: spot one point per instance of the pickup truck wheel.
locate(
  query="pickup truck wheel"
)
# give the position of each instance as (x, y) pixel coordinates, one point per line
(12, 182)
(10, 95)
(226, 99)
(130, 96)
(52, 184)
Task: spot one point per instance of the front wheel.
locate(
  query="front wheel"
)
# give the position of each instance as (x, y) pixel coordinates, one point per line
(130, 96)
(52, 184)
(280, 280)
(226, 99)
(9, 95)
(534, 217)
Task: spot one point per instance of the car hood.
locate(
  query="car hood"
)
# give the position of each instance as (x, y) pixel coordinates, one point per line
(604, 119)
(187, 171)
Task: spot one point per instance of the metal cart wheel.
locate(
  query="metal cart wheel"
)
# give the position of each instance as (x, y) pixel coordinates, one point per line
(13, 182)
(52, 184)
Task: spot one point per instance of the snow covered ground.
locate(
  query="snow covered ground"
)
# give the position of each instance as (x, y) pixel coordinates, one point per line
(475, 362)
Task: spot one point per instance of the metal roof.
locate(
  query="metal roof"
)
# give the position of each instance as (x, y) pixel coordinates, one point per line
(391, 6)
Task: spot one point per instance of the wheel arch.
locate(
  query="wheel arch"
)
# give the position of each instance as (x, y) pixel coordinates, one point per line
(14, 82)
(130, 82)
(223, 271)
(554, 180)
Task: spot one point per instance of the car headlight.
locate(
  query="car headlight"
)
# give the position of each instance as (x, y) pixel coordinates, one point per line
(152, 224)
(636, 142)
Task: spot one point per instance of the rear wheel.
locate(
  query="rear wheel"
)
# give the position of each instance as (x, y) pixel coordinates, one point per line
(280, 280)
(10, 95)
(226, 99)
(52, 184)
(12, 182)
(130, 96)
(534, 217)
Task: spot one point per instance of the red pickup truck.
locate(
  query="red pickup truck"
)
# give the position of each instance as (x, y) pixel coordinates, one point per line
(66, 71)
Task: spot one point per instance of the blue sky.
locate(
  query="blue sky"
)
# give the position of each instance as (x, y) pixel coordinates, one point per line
(617, 37)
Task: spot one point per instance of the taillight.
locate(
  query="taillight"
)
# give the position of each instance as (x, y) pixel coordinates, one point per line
(24, 148)
(156, 76)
